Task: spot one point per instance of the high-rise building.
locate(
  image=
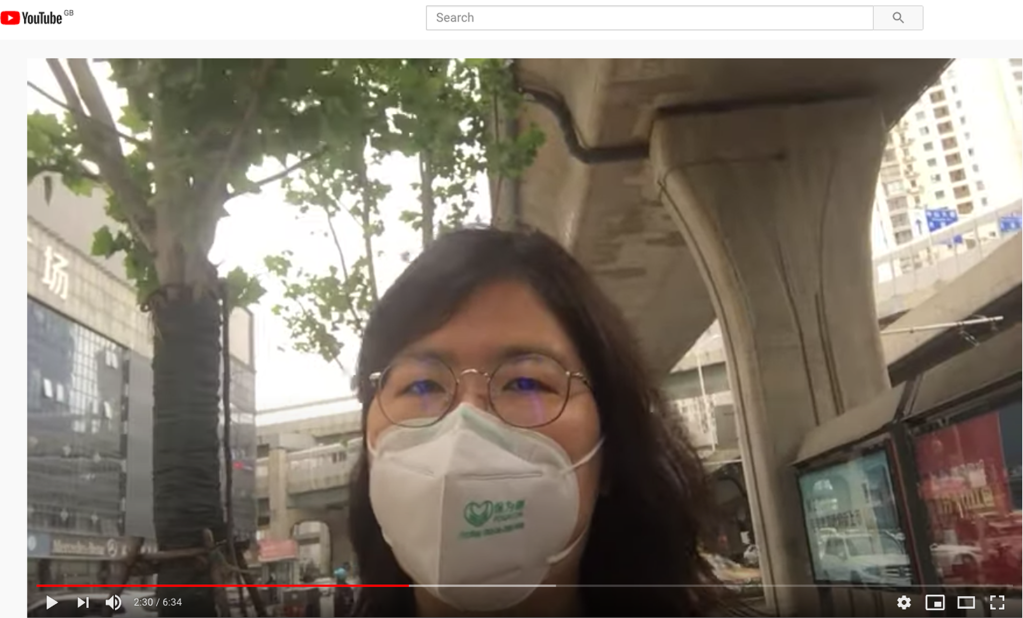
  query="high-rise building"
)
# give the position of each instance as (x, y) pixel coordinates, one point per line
(90, 402)
(956, 151)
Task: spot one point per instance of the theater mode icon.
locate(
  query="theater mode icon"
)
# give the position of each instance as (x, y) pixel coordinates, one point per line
(966, 602)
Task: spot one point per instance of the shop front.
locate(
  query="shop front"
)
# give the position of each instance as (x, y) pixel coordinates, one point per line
(77, 561)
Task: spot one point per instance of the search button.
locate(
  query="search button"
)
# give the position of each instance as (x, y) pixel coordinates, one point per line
(898, 18)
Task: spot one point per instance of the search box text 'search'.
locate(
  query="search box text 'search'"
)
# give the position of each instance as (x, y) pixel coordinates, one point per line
(664, 18)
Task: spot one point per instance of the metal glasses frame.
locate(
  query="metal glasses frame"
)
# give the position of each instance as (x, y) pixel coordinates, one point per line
(376, 379)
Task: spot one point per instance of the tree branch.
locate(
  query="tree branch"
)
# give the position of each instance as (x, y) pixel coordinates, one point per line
(239, 131)
(284, 173)
(344, 267)
(312, 316)
(52, 99)
(96, 145)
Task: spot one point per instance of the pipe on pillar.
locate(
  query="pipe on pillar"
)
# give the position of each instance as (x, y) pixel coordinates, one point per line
(775, 204)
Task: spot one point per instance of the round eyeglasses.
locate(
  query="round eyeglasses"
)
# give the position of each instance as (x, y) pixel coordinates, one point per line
(525, 391)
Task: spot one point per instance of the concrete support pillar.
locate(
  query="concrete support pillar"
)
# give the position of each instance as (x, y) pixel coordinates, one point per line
(340, 546)
(277, 490)
(775, 206)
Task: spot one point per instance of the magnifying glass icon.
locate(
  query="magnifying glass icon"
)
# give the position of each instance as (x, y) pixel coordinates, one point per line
(897, 16)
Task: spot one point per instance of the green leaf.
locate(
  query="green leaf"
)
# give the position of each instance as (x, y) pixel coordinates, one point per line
(103, 243)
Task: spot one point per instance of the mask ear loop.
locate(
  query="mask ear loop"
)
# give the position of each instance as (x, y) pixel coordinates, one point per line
(586, 458)
(561, 555)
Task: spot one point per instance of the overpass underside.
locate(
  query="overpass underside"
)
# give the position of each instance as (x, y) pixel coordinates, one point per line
(735, 189)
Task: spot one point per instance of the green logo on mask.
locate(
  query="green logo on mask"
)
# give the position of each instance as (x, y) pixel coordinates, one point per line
(478, 513)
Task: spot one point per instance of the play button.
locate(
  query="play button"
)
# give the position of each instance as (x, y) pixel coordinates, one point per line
(50, 602)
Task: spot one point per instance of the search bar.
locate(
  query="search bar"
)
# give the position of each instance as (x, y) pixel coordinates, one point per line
(666, 18)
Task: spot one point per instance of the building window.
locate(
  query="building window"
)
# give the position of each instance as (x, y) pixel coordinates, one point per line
(983, 201)
(961, 191)
(957, 175)
(976, 167)
(962, 120)
(970, 483)
(897, 203)
(980, 185)
(1015, 62)
(920, 115)
(76, 457)
(945, 127)
(932, 162)
(949, 143)
(959, 104)
(941, 112)
(903, 236)
(953, 159)
(954, 89)
(935, 177)
(892, 188)
(965, 208)
(937, 96)
(925, 131)
(900, 220)
(969, 151)
(966, 135)
(889, 156)
(929, 146)
(939, 195)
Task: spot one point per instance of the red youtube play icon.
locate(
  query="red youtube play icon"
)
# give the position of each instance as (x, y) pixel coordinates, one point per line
(10, 18)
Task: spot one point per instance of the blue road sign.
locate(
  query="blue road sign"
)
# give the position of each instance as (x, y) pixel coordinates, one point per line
(1010, 223)
(938, 218)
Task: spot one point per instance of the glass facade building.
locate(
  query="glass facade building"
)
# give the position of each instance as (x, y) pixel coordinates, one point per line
(76, 417)
(90, 404)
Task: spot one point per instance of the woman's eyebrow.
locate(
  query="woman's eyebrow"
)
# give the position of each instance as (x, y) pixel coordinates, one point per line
(502, 354)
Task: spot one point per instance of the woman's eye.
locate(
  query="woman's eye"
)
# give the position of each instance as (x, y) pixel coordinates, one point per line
(525, 385)
(422, 387)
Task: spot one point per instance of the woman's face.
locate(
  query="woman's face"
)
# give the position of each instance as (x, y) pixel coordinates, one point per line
(510, 316)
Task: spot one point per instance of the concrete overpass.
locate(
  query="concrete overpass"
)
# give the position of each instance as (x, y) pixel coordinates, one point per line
(736, 189)
(305, 455)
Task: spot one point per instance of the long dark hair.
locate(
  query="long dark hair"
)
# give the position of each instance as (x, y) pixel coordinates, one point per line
(646, 526)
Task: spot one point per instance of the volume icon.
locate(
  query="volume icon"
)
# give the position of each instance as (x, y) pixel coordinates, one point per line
(114, 602)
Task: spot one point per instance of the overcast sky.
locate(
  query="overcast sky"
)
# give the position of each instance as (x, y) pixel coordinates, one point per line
(261, 225)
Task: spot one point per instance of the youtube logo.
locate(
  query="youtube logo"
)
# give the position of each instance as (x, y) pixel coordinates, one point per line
(10, 18)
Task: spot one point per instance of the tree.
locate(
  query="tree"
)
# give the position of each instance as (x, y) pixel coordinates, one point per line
(441, 113)
(193, 130)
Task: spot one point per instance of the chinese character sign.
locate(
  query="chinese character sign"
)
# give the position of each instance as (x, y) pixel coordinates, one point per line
(55, 275)
(938, 218)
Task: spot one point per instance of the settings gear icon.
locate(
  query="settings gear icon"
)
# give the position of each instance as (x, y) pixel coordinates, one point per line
(904, 602)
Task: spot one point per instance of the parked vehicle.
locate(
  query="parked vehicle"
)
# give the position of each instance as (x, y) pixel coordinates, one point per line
(864, 558)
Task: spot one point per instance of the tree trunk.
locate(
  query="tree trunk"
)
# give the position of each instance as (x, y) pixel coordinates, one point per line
(186, 464)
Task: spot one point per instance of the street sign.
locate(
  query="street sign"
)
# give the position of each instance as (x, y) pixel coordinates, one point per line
(938, 218)
(1010, 223)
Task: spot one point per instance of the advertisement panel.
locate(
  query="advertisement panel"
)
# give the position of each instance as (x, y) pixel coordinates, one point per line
(966, 470)
(852, 523)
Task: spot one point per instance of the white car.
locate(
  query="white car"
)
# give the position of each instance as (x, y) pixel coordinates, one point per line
(957, 560)
(877, 559)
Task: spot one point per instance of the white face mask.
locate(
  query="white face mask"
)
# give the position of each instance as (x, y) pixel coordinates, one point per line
(472, 501)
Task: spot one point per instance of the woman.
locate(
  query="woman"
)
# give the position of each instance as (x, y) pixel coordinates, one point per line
(514, 439)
